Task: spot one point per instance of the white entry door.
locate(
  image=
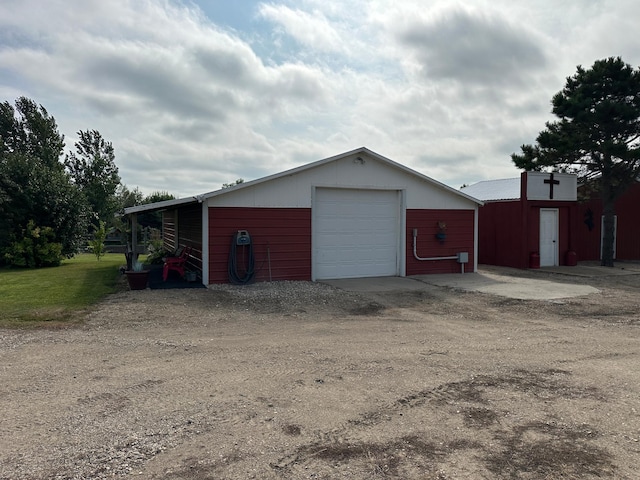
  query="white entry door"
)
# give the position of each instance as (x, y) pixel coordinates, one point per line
(548, 237)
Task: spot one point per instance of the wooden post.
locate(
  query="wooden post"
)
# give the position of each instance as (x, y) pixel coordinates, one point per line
(134, 236)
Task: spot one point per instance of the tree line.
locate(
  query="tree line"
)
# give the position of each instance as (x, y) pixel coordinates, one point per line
(52, 202)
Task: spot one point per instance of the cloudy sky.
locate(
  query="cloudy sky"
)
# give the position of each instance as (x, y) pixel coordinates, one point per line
(196, 94)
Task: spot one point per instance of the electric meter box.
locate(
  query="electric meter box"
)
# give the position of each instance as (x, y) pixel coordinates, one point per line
(243, 238)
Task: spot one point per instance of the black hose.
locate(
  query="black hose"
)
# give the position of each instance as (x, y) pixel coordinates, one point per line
(234, 276)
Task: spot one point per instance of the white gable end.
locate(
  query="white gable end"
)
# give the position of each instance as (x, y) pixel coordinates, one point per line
(357, 171)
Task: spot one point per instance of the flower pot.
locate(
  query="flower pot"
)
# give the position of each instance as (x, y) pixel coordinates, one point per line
(137, 280)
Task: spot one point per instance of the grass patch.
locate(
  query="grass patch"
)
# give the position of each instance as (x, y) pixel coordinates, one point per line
(56, 296)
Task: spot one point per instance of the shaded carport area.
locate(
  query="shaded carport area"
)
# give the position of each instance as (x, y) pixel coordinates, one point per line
(181, 227)
(173, 281)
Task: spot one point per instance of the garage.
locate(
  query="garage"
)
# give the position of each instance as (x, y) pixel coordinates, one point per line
(356, 233)
(356, 214)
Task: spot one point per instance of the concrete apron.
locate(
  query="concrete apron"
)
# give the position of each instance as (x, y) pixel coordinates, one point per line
(500, 281)
(505, 286)
(593, 269)
(509, 286)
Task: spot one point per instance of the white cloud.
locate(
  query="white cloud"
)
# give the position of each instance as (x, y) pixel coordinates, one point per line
(450, 88)
(311, 29)
(166, 82)
(471, 47)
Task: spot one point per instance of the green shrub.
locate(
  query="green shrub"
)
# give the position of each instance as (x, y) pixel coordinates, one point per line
(97, 244)
(35, 249)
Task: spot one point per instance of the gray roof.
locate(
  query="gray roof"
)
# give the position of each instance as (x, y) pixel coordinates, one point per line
(165, 204)
(504, 189)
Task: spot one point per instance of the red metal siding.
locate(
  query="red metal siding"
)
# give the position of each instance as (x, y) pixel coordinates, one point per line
(628, 227)
(501, 233)
(281, 239)
(459, 238)
(509, 231)
(586, 241)
(628, 212)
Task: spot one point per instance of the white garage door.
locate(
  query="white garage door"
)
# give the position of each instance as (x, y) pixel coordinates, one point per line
(356, 233)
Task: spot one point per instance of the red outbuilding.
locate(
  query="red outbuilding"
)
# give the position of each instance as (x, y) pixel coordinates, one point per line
(539, 220)
(357, 214)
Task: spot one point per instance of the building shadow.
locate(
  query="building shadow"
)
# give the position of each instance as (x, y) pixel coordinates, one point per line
(174, 280)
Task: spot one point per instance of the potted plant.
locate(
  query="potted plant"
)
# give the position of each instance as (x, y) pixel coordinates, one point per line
(137, 276)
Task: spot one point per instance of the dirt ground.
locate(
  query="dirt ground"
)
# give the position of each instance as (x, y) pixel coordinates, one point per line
(296, 380)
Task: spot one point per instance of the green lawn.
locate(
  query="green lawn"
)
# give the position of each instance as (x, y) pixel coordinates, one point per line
(55, 296)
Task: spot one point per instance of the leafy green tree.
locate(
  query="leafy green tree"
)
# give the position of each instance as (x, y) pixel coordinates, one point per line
(597, 135)
(33, 184)
(93, 170)
(158, 196)
(32, 132)
(97, 243)
(153, 219)
(128, 198)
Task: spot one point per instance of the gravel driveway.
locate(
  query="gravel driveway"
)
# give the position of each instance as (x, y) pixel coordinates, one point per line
(299, 380)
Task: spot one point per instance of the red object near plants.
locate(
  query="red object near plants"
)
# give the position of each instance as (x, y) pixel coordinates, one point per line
(176, 264)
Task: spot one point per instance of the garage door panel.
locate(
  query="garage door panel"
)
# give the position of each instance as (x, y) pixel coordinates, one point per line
(355, 233)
